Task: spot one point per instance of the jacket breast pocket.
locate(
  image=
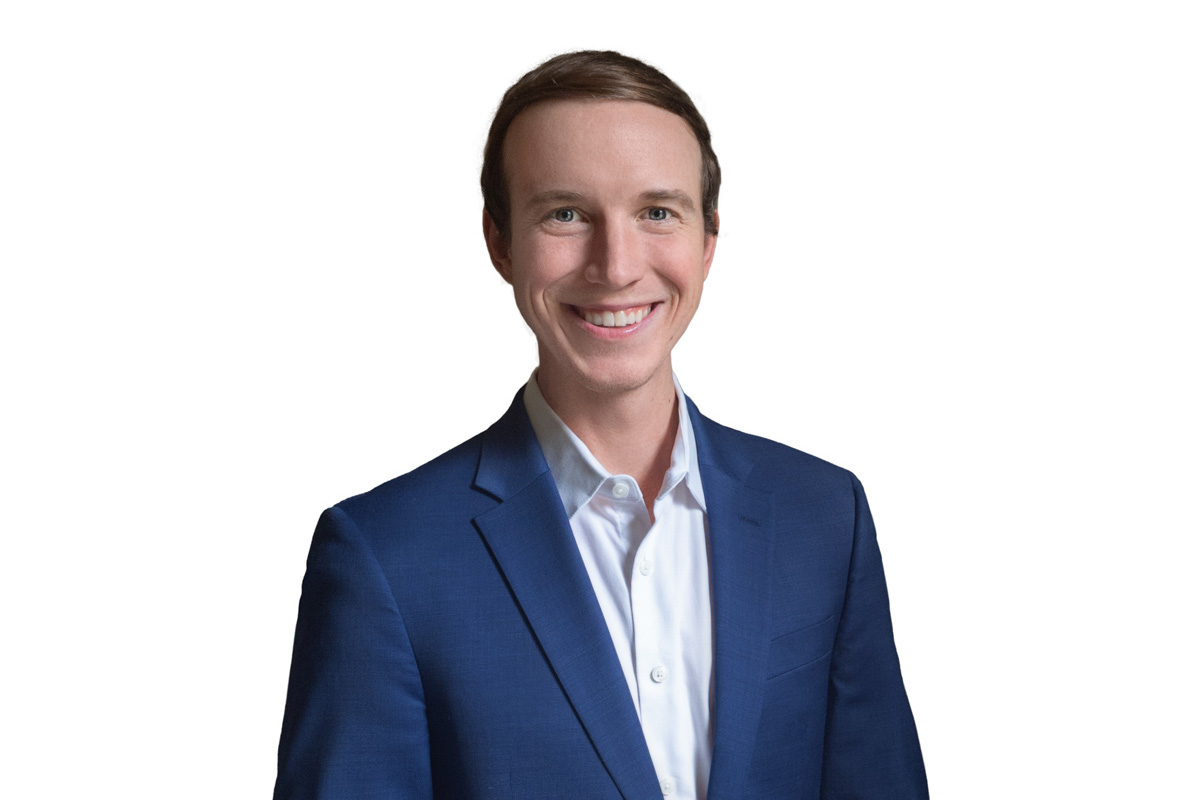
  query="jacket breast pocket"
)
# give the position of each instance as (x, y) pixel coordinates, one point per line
(801, 647)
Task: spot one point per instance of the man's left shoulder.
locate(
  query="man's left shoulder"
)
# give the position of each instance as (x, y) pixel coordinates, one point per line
(763, 462)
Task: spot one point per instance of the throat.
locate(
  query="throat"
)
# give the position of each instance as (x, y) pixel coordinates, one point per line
(644, 455)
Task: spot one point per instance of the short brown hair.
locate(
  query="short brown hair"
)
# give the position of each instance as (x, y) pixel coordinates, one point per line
(596, 75)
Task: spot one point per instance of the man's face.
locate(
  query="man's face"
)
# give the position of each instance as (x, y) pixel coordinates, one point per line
(607, 253)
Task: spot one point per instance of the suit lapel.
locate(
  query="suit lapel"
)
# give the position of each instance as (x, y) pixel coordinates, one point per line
(741, 537)
(530, 538)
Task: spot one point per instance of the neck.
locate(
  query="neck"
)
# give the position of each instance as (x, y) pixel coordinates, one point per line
(630, 432)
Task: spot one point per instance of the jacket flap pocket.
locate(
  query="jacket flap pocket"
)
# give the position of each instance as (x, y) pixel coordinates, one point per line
(800, 647)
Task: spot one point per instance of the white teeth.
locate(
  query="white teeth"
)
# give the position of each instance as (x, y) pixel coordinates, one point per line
(617, 319)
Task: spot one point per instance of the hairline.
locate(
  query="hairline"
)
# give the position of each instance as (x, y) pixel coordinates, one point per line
(593, 75)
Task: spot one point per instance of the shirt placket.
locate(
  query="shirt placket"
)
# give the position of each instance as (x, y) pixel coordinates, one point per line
(656, 660)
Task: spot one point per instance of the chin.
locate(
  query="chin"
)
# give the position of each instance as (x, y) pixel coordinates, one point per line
(616, 379)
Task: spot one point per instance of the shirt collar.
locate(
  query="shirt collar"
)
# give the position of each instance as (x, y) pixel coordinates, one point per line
(576, 471)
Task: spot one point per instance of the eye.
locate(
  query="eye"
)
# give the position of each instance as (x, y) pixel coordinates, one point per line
(565, 215)
(658, 214)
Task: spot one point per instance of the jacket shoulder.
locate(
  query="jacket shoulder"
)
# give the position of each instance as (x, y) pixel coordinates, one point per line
(773, 465)
(437, 489)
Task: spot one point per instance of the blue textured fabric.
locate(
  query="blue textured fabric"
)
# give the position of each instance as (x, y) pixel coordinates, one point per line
(449, 644)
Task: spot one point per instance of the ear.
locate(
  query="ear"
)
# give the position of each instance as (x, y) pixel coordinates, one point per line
(710, 244)
(498, 247)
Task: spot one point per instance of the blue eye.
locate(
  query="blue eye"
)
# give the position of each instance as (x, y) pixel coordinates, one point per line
(565, 215)
(658, 214)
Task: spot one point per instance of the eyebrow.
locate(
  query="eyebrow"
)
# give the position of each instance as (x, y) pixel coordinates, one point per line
(677, 196)
(683, 199)
(554, 196)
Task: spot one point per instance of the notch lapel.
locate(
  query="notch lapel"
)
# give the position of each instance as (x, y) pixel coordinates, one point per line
(741, 539)
(530, 537)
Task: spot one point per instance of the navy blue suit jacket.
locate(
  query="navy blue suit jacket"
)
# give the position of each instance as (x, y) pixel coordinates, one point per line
(449, 643)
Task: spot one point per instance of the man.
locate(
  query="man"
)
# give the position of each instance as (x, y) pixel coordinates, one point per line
(605, 594)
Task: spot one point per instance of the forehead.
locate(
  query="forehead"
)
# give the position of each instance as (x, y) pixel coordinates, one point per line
(600, 144)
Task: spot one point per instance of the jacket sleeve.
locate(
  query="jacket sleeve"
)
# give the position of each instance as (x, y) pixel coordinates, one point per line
(871, 747)
(354, 725)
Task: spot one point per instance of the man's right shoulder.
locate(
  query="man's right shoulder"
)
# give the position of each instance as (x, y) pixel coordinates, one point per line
(439, 500)
(437, 490)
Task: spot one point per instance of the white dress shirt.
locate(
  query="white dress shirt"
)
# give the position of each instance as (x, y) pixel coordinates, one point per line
(652, 583)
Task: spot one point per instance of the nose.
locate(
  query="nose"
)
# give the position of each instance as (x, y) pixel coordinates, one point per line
(615, 259)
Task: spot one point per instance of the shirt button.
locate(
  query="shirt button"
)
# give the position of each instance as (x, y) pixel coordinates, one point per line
(647, 566)
(620, 490)
(667, 786)
(658, 674)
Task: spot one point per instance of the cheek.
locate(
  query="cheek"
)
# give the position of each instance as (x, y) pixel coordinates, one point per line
(681, 264)
(545, 262)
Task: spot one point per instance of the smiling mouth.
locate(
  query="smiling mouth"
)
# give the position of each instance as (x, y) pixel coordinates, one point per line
(605, 318)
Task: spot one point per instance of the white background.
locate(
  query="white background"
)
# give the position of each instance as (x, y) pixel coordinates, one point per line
(243, 278)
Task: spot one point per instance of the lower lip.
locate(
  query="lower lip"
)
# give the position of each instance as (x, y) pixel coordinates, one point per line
(602, 332)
